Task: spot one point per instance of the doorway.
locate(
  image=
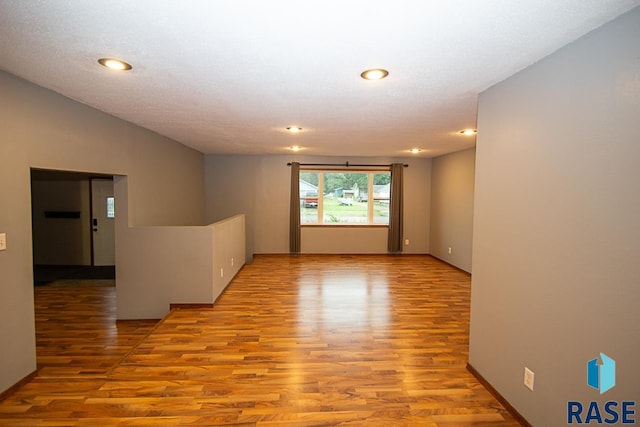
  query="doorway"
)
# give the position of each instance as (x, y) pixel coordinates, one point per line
(65, 245)
(73, 230)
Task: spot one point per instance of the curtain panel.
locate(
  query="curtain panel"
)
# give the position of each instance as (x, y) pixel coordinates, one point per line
(294, 210)
(394, 239)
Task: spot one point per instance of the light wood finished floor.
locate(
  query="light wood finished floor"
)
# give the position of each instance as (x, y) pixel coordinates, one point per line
(294, 341)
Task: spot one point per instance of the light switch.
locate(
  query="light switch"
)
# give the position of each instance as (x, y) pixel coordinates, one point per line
(528, 378)
(3, 241)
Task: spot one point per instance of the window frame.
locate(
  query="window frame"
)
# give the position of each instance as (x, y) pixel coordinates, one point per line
(320, 220)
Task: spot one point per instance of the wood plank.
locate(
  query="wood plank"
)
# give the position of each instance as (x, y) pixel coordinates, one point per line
(293, 341)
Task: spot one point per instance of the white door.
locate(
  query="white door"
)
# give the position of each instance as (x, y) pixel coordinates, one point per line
(103, 222)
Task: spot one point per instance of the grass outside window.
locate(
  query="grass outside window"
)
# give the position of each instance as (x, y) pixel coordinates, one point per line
(338, 198)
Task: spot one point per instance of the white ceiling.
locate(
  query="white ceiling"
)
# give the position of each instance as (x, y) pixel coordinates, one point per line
(230, 76)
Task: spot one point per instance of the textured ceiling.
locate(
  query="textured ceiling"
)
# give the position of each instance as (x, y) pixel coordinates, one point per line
(230, 76)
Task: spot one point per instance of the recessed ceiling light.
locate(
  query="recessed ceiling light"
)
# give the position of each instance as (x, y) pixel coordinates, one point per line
(294, 129)
(115, 64)
(415, 150)
(296, 148)
(468, 132)
(374, 74)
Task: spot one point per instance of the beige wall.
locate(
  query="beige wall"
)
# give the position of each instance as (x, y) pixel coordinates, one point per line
(259, 187)
(173, 265)
(556, 277)
(344, 240)
(452, 181)
(42, 129)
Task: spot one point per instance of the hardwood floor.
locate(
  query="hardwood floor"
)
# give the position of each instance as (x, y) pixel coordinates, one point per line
(294, 341)
(76, 329)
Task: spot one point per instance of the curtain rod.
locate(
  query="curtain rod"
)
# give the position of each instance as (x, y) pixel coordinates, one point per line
(345, 164)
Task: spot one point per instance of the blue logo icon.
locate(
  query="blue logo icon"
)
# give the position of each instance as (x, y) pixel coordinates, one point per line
(601, 374)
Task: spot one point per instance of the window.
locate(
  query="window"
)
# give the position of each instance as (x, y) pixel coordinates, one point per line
(111, 207)
(344, 198)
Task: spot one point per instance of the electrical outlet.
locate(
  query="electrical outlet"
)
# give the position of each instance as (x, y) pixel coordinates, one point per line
(231, 262)
(449, 249)
(406, 242)
(222, 272)
(3, 241)
(528, 378)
